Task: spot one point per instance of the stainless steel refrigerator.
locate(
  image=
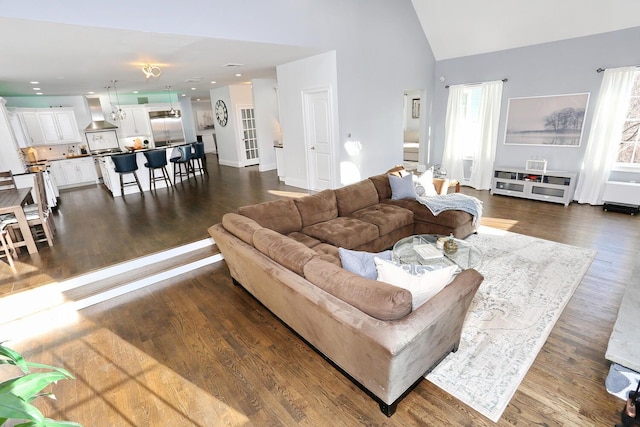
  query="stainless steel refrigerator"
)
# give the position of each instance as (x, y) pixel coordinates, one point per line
(166, 128)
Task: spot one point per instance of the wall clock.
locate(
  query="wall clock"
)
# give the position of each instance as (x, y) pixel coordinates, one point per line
(221, 113)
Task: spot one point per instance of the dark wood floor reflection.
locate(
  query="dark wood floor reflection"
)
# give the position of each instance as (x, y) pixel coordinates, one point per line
(200, 351)
(96, 230)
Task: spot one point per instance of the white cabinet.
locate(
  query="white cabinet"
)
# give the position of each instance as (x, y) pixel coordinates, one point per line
(136, 122)
(45, 126)
(74, 172)
(549, 186)
(32, 127)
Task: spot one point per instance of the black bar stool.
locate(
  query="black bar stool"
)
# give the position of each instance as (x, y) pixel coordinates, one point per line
(125, 164)
(157, 159)
(199, 158)
(182, 160)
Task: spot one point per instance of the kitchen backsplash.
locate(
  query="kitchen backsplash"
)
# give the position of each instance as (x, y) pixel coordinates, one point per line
(52, 152)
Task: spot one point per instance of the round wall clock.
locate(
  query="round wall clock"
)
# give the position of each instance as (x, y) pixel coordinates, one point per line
(221, 113)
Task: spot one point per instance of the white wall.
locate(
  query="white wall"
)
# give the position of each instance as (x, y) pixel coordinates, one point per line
(229, 137)
(315, 72)
(380, 48)
(562, 67)
(265, 102)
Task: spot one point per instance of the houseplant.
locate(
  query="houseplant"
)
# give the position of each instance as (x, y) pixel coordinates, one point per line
(17, 393)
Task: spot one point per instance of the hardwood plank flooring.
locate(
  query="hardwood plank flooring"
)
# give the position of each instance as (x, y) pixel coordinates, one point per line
(200, 351)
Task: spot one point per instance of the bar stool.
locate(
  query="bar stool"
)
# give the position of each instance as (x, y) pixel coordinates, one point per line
(184, 159)
(157, 159)
(125, 164)
(199, 158)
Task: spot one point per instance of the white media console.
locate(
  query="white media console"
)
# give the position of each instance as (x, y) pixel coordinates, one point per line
(549, 186)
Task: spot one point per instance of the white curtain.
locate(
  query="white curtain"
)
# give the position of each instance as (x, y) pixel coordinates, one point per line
(485, 152)
(454, 144)
(482, 149)
(605, 135)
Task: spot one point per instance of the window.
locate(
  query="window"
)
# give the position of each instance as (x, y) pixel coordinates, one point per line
(470, 120)
(629, 151)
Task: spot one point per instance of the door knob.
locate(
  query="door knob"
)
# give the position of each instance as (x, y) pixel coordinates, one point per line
(313, 148)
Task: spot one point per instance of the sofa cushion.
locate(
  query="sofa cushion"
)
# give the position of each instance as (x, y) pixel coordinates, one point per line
(343, 232)
(450, 219)
(377, 299)
(402, 187)
(317, 208)
(419, 280)
(385, 216)
(381, 182)
(329, 253)
(306, 240)
(355, 196)
(362, 263)
(279, 215)
(240, 226)
(282, 249)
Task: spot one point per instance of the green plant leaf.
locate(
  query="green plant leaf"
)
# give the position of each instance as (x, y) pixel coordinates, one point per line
(53, 423)
(53, 368)
(13, 407)
(14, 358)
(30, 384)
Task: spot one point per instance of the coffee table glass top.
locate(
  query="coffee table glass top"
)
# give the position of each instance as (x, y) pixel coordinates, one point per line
(421, 249)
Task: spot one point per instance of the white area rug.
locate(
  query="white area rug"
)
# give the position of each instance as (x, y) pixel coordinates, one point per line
(527, 283)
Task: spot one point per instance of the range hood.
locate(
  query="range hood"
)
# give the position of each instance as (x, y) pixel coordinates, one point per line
(98, 122)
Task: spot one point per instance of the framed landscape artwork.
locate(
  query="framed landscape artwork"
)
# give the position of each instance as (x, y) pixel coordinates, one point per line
(205, 119)
(556, 120)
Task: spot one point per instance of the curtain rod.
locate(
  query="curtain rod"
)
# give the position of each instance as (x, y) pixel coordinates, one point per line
(478, 83)
(599, 70)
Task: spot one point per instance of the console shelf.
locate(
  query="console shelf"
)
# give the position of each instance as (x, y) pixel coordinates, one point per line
(550, 186)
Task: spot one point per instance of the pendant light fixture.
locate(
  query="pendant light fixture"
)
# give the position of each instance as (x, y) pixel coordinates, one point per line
(120, 114)
(113, 115)
(173, 111)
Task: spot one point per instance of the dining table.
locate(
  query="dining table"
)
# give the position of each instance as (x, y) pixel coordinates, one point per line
(12, 202)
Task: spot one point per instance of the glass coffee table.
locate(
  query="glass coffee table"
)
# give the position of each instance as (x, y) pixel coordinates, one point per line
(421, 249)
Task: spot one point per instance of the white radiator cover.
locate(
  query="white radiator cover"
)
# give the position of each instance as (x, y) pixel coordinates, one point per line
(627, 193)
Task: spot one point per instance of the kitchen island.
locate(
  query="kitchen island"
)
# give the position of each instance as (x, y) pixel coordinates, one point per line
(111, 178)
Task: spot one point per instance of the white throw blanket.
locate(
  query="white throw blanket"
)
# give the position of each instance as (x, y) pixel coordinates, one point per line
(453, 202)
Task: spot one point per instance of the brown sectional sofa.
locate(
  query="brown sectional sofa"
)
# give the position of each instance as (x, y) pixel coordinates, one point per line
(285, 253)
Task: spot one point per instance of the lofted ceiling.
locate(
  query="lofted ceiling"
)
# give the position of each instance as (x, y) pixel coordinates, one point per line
(458, 28)
(78, 60)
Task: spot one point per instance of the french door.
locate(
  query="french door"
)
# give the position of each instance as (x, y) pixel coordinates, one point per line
(249, 140)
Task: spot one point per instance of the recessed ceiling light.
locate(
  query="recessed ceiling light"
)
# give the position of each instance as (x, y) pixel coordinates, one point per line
(193, 88)
(213, 82)
(91, 93)
(135, 91)
(238, 75)
(39, 93)
(35, 83)
(36, 88)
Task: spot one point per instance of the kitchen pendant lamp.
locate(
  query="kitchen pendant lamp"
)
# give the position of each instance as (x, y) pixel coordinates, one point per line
(120, 114)
(173, 111)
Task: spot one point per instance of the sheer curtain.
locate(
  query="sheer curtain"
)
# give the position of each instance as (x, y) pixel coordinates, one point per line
(477, 142)
(606, 130)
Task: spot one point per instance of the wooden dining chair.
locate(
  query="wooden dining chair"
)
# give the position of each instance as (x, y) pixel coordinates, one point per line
(7, 182)
(38, 217)
(6, 245)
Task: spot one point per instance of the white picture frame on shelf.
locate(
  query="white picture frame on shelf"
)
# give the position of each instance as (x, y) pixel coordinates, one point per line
(536, 165)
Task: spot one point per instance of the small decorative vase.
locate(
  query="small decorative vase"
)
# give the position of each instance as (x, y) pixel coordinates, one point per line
(450, 246)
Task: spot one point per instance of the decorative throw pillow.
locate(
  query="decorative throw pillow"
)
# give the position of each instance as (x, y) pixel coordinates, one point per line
(402, 188)
(424, 184)
(362, 263)
(423, 283)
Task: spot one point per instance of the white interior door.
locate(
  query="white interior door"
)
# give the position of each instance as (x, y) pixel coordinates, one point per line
(318, 133)
(249, 139)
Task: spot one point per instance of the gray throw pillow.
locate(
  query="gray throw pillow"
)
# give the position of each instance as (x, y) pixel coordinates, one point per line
(362, 263)
(402, 188)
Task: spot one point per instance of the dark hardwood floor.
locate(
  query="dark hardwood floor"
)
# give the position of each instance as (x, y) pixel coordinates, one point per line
(200, 351)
